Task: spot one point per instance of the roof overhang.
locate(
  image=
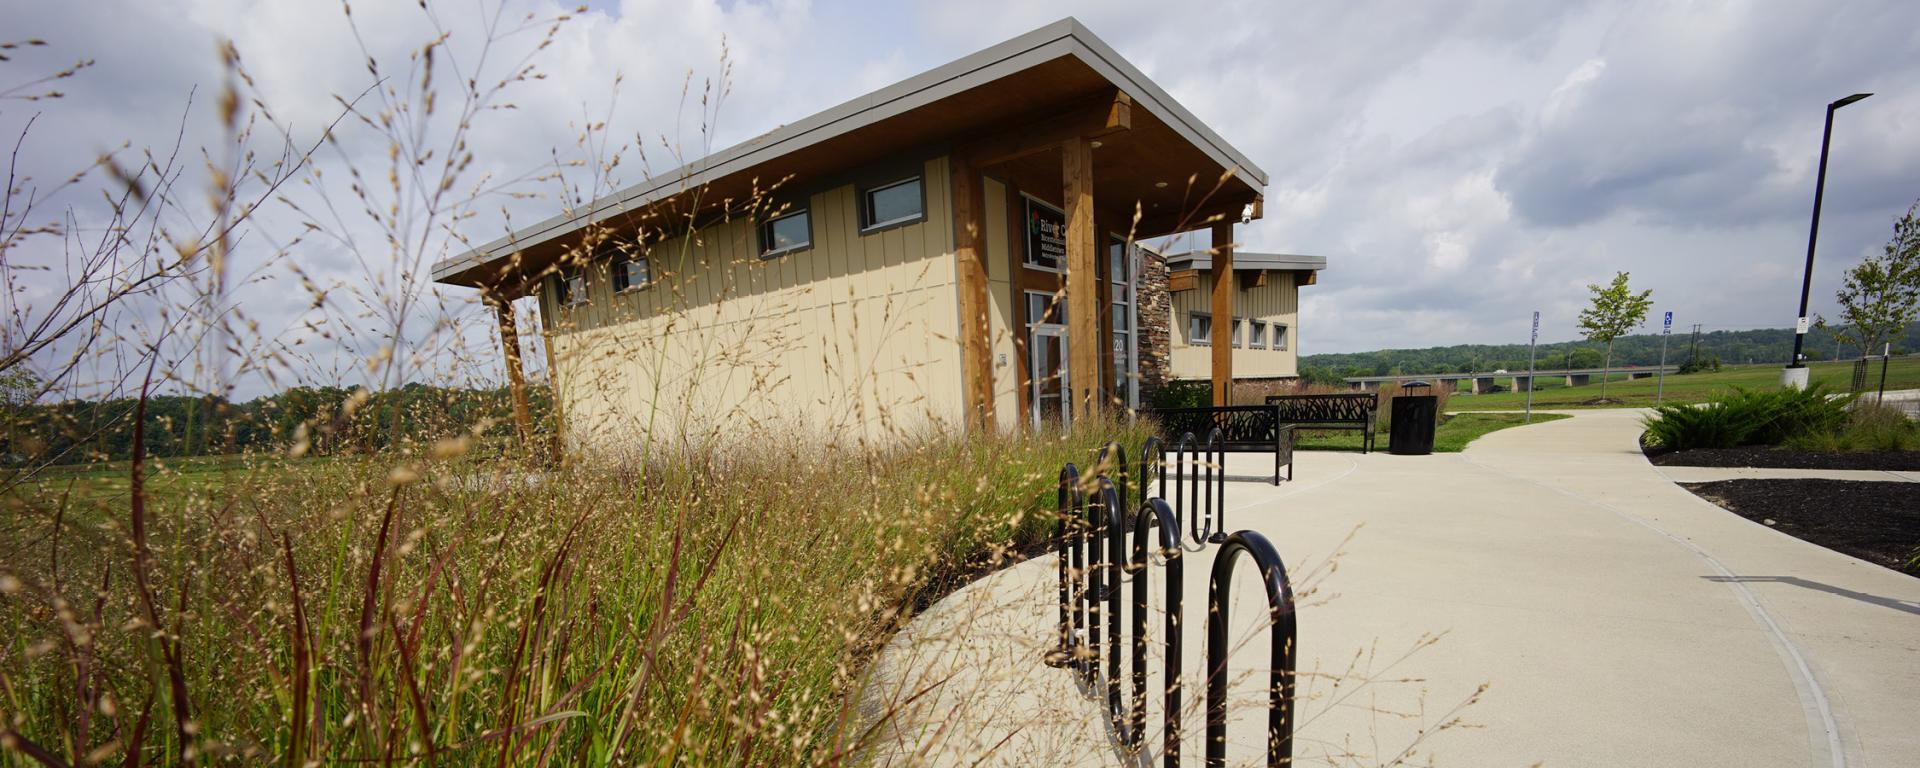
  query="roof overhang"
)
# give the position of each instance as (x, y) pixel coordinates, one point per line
(1245, 260)
(1019, 80)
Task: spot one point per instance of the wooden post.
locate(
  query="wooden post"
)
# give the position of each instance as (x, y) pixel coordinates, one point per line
(969, 202)
(1222, 313)
(1083, 293)
(510, 349)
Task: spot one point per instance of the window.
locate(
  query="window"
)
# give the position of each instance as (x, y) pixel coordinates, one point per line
(1120, 274)
(900, 202)
(570, 288)
(630, 273)
(1279, 336)
(788, 232)
(1199, 329)
(1235, 338)
(1042, 309)
(1257, 335)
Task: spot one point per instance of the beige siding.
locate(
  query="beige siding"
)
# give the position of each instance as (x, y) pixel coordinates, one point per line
(1005, 310)
(854, 338)
(1278, 303)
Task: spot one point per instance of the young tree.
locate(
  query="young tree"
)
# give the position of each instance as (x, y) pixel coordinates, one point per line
(1882, 294)
(1616, 310)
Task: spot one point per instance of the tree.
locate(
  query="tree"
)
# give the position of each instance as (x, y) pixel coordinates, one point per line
(1882, 294)
(1616, 310)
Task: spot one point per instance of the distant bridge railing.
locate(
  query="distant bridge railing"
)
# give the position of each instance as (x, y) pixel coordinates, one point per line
(1095, 561)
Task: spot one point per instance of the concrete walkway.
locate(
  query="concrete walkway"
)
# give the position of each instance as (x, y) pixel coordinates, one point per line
(1613, 619)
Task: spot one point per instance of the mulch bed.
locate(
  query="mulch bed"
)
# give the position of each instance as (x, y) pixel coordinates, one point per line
(1878, 522)
(1787, 458)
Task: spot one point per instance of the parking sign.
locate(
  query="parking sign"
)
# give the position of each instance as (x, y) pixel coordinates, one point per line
(1667, 327)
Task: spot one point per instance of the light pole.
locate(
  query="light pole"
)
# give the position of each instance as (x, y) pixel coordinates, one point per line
(1795, 374)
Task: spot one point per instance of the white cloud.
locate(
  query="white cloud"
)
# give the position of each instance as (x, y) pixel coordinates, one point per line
(1461, 165)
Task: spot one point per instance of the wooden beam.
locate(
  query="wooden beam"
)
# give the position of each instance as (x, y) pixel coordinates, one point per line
(969, 227)
(1088, 120)
(1256, 278)
(1183, 280)
(1083, 292)
(556, 450)
(1306, 277)
(510, 350)
(1222, 312)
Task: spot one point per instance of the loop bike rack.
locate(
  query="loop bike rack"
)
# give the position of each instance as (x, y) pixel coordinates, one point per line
(1095, 561)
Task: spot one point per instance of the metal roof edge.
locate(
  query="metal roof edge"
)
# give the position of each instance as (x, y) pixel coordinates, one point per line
(1249, 260)
(1064, 37)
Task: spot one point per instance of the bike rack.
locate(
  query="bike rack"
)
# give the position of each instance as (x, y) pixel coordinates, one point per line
(1198, 490)
(1280, 612)
(1094, 561)
(1155, 514)
(1217, 489)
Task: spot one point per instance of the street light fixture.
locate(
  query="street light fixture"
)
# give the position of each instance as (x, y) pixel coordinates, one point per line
(1795, 374)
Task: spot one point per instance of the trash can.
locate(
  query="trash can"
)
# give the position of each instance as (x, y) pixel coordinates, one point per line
(1414, 416)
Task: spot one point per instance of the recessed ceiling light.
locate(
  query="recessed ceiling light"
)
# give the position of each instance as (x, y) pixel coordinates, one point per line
(1159, 185)
(1096, 145)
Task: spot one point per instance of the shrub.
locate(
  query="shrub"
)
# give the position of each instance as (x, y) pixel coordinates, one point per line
(1869, 427)
(1747, 417)
(1182, 394)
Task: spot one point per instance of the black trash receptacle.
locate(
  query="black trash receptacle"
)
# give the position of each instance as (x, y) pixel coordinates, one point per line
(1414, 416)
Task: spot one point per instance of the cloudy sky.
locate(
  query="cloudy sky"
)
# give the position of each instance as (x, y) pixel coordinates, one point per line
(1460, 164)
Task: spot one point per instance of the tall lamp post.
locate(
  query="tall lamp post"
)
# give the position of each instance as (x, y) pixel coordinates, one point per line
(1795, 374)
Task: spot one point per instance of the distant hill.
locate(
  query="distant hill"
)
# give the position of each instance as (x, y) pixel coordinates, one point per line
(1759, 345)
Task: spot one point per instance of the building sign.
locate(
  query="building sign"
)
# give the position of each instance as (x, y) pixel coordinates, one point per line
(1046, 236)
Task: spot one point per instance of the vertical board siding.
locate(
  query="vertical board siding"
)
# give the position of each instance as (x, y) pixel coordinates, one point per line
(1005, 317)
(854, 338)
(1277, 302)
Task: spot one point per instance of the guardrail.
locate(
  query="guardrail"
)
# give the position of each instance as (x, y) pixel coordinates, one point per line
(1095, 561)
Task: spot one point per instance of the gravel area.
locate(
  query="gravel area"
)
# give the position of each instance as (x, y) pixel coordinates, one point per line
(1787, 458)
(1876, 522)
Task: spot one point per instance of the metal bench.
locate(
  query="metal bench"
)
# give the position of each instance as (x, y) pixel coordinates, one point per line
(1346, 412)
(1243, 429)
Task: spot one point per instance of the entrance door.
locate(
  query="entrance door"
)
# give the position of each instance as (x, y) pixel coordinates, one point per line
(1047, 358)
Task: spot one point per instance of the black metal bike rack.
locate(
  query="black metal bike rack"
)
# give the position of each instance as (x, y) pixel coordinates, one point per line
(1094, 562)
(1280, 613)
(1198, 476)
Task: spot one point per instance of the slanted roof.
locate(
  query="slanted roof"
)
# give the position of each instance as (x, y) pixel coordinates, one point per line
(1010, 84)
(1247, 260)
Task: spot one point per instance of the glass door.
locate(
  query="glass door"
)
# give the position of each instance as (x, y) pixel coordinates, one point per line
(1047, 357)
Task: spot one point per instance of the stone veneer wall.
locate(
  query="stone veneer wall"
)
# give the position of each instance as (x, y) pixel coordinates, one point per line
(1156, 311)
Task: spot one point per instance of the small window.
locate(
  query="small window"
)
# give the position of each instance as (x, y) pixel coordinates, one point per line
(1257, 335)
(570, 288)
(786, 233)
(1279, 336)
(1199, 329)
(1235, 338)
(900, 202)
(1042, 308)
(631, 273)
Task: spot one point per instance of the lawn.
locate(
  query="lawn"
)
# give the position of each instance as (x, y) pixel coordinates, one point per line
(1903, 373)
(1452, 436)
(166, 479)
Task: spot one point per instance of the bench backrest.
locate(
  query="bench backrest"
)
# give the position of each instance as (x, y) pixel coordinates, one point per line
(1239, 424)
(1326, 409)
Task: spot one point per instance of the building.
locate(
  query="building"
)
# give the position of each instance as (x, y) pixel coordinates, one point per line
(1266, 320)
(910, 260)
